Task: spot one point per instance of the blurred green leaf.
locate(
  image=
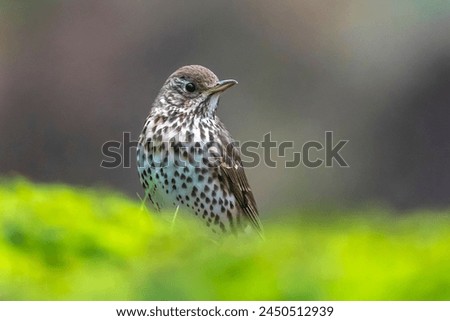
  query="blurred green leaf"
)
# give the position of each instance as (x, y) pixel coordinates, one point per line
(63, 243)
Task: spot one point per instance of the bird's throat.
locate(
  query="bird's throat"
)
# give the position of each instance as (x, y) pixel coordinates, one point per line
(213, 102)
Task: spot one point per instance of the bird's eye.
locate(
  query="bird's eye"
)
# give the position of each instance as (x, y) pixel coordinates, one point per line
(190, 87)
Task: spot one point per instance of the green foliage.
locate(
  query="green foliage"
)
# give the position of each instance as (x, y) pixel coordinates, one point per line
(63, 243)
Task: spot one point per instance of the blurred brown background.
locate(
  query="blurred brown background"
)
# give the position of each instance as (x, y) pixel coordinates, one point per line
(75, 74)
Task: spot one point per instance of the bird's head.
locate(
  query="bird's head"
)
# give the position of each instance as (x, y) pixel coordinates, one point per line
(194, 89)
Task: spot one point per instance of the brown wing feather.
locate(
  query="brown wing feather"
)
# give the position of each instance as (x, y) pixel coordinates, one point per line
(232, 169)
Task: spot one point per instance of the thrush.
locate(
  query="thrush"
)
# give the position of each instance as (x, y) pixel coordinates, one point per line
(186, 157)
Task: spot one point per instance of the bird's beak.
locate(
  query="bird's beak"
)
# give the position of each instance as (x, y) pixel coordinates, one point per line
(223, 85)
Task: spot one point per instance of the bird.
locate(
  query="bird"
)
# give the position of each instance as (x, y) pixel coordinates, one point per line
(187, 159)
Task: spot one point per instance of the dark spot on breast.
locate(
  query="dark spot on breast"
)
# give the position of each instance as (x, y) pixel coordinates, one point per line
(230, 219)
(189, 136)
(191, 158)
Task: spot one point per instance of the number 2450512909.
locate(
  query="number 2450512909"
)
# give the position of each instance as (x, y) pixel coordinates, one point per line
(293, 311)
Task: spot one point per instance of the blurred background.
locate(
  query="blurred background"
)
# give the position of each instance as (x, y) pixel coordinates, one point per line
(75, 74)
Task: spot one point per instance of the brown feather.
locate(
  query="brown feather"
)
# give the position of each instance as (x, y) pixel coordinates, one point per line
(238, 184)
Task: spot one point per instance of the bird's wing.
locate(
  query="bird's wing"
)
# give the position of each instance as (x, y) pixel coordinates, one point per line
(233, 171)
